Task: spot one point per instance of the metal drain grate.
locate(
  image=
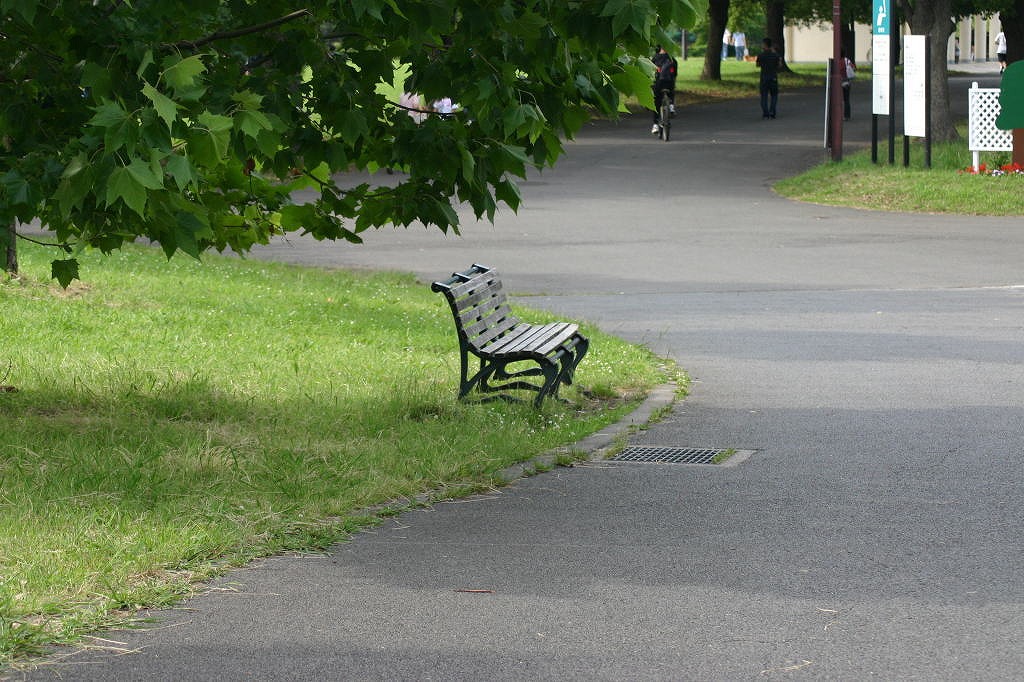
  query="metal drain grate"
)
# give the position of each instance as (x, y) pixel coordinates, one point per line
(665, 455)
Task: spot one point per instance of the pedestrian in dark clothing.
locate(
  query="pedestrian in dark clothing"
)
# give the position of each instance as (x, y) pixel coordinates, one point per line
(847, 71)
(768, 61)
(666, 68)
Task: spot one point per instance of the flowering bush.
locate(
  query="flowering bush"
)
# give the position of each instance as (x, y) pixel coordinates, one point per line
(1005, 169)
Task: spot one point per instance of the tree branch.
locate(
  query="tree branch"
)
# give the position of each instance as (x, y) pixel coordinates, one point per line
(237, 33)
(63, 245)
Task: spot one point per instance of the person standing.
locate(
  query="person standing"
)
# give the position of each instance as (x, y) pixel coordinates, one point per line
(1001, 50)
(739, 42)
(726, 39)
(768, 61)
(665, 72)
(848, 73)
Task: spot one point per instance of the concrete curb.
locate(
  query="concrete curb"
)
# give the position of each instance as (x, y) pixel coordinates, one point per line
(597, 445)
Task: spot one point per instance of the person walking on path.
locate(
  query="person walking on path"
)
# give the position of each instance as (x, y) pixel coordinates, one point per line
(849, 72)
(1001, 50)
(665, 72)
(768, 62)
(739, 41)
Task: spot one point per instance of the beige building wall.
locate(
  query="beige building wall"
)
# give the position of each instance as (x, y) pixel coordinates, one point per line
(814, 43)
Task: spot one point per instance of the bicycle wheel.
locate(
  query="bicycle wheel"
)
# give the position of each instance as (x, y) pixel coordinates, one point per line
(664, 115)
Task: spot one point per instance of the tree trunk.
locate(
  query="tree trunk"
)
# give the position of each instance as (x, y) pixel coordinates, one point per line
(11, 242)
(718, 16)
(775, 28)
(934, 19)
(1012, 21)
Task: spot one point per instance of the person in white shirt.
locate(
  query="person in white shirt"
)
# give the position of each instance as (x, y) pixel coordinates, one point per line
(1001, 51)
(739, 41)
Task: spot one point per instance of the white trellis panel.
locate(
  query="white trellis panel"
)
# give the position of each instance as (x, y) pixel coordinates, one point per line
(982, 134)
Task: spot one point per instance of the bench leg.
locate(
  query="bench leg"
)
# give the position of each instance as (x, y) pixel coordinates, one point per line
(572, 360)
(552, 376)
(555, 371)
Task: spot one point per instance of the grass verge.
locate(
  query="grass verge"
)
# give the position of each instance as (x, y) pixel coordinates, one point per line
(163, 421)
(739, 80)
(944, 188)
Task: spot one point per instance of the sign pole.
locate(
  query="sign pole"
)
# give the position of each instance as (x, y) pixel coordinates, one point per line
(882, 81)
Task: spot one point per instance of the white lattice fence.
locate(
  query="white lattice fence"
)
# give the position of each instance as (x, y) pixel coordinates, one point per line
(982, 134)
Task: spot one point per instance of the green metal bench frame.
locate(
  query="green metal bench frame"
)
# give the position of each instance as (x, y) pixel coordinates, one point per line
(488, 330)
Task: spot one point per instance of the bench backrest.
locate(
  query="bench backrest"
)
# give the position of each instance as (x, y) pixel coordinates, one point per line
(478, 304)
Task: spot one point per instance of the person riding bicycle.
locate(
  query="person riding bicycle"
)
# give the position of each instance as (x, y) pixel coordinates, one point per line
(665, 67)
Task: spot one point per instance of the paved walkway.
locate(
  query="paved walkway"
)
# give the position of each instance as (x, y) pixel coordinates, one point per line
(872, 360)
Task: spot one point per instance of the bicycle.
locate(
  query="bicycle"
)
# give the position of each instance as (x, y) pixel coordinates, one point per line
(665, 115)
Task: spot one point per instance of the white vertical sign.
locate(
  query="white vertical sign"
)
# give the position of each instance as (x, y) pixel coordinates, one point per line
(915, 75)
(881, 65)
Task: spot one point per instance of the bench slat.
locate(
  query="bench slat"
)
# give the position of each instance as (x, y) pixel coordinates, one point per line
(488, 282)
(533, 339)
(495, 312)
(483, 329)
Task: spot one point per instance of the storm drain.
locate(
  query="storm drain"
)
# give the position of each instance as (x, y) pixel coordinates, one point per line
(671, 455)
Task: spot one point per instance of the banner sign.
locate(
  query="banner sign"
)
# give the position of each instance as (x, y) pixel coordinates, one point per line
(881, 58)
(915, 83)
(881, 18)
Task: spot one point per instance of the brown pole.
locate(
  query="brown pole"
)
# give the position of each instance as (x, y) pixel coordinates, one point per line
(836, 96)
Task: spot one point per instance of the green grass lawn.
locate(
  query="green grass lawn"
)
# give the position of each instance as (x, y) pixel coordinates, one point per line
(740, 79)
(165, 420)
(944, 188)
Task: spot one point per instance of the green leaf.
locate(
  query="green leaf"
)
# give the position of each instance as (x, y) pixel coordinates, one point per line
(180, 168)
(76, 183)
(468, 164)
(508, 192)
(188, 230)
(182, 74)
(97, 79)
(165, 107)
(26, 8)
(248, 99)
(297, 216)
(15, 187)
(122, 185)
(353, 126)
(252, 123)
(119, 128)
(64, 271)
(632, 80)
(147, 61)
(210, 141)
(371, 7)
(108, 115)
(143, 174)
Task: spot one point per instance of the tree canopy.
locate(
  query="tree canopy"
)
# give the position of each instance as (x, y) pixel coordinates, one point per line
(193, 122)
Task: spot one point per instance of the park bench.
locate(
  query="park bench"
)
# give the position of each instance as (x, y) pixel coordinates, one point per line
(488, 330)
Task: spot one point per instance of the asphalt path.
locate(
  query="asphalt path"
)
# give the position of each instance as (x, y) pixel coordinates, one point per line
(871, 360)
